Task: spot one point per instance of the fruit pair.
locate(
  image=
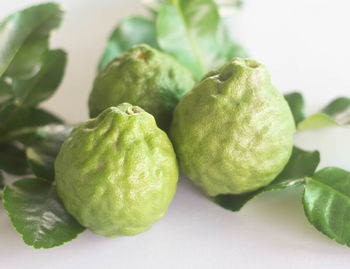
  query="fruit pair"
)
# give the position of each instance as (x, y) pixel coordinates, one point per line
(232, 133)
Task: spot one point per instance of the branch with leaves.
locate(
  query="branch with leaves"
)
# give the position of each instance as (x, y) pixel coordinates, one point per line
(30, 137)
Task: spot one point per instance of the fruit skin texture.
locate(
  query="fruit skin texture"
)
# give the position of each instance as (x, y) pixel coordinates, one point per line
(233, 132)
(145, 77)
(117, 174)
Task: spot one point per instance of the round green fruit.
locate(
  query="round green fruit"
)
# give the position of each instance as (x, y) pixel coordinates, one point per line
(117, 173)
(145, 77)
(233, 132)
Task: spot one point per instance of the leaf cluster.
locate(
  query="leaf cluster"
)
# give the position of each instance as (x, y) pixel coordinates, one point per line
(191, 31)
(30, 137)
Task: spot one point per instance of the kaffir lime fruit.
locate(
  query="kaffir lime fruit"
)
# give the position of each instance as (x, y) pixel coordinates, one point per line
(233, 133)
(145, 77)
(117, 173)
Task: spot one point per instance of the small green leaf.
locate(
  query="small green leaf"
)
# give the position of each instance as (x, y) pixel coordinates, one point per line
(326, 203)
(295, 101)
(38, 215)
(13, 159)
(41, 87)
(18, 123)
(29, 30)
(187, 30)
(42, 155)
(337, 113)
(301, 164)
(129, 32)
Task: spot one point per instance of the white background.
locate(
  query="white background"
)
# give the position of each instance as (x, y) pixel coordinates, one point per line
(305, 45)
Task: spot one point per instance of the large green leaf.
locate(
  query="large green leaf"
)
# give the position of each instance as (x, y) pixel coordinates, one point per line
(129, 32)
(39, 88)
(38, 215)
(326, 203)
(301, 164)
(24, 39)
(188, 31)
(13, 159)
(295, 101)
(42, 155)
(18, 123)
(337, 113)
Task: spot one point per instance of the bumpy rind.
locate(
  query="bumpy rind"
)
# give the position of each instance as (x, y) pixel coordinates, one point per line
(144, 77)
(117, 174)
(233, 133)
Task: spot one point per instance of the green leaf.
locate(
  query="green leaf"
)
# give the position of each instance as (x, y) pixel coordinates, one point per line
(6, 95)
(295, 101)
(326, 203)
(301, 164)
(24, 39)
(129, 32)
(29, 59)
(187, 30)
(42, 86)
(13, 159)
(38, 215)
(337, 113)
(21, 123)
(42, 155)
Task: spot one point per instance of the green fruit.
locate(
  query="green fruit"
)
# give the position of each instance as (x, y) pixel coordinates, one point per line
(233, 133)
(144, 77)
(117, 173)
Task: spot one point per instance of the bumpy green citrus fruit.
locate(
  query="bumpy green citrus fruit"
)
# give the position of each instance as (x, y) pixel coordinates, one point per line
(144, 77)
(233, 132)
(117, 174)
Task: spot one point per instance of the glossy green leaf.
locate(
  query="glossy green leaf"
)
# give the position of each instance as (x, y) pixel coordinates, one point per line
(38, 215)
(13, 159)
(326, 203)
(188, 31)
(129, 32)
(24, 39)
(42, 155)
(18, 123)
(295, 101)
(41, 87)
(337, 113)
(29, 59)
(301, 164)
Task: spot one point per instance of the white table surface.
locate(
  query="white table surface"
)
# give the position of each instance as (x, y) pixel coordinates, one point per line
(306, 46)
